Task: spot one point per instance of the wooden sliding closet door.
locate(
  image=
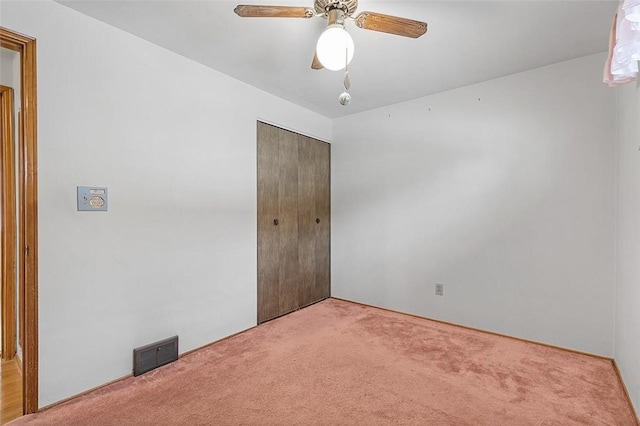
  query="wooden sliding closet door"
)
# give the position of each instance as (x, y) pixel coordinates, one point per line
(277, 222)
(293, 221)
(314, 220)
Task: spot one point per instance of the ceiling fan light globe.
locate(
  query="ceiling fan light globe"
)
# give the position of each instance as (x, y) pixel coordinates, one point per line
(335, 48)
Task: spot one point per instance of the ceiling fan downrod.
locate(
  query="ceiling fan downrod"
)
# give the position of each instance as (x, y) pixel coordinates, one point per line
(335, 17)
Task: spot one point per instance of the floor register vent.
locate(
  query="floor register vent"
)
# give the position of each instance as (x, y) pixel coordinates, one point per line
(154, 355)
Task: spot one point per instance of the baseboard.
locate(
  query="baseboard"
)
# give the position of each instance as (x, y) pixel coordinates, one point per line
(626, 391)
(216, 341)
(81, 394)
(480, 330)
(613, 361)
(624, 387)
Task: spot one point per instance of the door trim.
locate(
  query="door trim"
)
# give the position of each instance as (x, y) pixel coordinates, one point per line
(8, 241)
(28, 192)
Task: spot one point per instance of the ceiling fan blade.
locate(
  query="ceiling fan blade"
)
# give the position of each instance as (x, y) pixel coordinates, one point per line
(251, 11)
(316, 65)
(391, 24)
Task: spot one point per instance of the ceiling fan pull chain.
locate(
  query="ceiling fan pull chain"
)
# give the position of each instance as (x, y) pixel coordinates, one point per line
(345, 97)
(347, 82)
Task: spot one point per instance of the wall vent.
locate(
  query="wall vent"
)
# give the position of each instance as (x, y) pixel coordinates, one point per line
(154, 355)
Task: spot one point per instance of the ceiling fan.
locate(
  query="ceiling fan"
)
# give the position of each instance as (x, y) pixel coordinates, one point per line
(334, 49)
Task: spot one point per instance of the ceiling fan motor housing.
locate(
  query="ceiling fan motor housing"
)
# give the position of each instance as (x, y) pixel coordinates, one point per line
(324, 7)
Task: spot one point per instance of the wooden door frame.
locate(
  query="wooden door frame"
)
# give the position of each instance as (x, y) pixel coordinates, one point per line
(9, 232)
(28, 206)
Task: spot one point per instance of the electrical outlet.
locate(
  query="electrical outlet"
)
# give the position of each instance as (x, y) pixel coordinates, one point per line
(439, 289)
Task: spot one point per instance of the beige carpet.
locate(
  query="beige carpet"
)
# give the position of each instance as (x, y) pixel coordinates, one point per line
(340, 363)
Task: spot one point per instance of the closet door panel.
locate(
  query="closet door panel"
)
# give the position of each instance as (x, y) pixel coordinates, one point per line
(288, 222)
(268, 210)
(306, 220)
(322, 237)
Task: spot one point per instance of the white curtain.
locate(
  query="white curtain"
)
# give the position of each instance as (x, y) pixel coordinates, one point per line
(624, 44)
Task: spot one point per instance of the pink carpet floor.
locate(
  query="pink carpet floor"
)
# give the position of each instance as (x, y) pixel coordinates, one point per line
(340, 363)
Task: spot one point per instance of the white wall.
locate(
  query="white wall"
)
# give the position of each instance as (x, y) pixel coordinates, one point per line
(501, 191)
(175, 143)
(627, 322)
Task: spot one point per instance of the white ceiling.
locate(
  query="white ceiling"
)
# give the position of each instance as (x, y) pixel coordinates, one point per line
(467, 42)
